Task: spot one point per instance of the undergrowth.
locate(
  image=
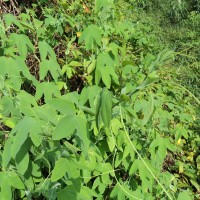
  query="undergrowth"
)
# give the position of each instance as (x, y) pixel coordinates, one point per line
(95, 102)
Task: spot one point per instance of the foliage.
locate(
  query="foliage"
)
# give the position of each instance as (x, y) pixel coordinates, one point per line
(87, 110)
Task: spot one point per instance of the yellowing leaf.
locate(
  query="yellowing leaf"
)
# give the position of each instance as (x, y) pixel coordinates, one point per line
(78, 34)
(179, 141)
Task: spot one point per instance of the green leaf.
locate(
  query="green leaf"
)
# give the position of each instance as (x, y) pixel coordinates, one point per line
(6, 192)
(65, 127)
(6, 152)
(23, 68)
(20, 138)
(22, 43)
(49, 66)
(82, 132)
(46, 52)
(26, 103)
(104, 108)
(69, 192)
(23, 128)
(14, 180)
(22, 161)
(111, 142)
(99, 4)
(105, 70)
(91, 35)
(63, 106)
(49, 90)
(60, 169)
(10, 69)
(184, 195)
(11, 19)
(115, 191)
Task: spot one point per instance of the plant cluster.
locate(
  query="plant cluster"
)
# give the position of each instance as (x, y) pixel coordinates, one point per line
(87, 109)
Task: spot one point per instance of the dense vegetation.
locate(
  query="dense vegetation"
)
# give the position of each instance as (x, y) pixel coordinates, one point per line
(99, 99)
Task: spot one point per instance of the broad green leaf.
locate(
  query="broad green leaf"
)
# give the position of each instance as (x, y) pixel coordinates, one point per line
(87, 193)
(23, 162)
(134, 167)
(68, 192)
(184, 195)
(91, 35)
(26, 126)
(6, 152)
(82, 132)
(195, 184)
(106, 77)
(26, 103)
(111, 142)
(20, 138)
(147, 108)
(62, 105)
(14, 180)
(49, 66)
(60, 169)
(23, 43)
(65, 127)
(164, 56)
(6, 192)
(49, 90)
(46, 51)
(106, 106)
(46, 113)
(75, 64)
(115, 191)
(23, 68)
(10, 69)
(105, 70)
(99, 4)
(11, 19)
